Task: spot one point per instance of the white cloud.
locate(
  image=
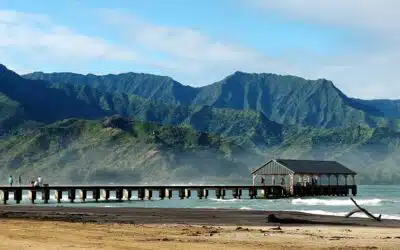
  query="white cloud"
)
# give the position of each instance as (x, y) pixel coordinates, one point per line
(37, 37)
(198, 59)
(377, 16)
(368, 68)
(191, 56)
(194, 58)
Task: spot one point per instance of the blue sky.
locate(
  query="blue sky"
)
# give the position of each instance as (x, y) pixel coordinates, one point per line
(354, 44)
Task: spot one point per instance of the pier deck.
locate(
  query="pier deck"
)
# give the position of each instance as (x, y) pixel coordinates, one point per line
(143, 192)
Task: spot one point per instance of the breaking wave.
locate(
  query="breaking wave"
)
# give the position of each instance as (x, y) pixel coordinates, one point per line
(335, 202)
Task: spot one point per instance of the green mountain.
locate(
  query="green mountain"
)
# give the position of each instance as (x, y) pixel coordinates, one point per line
(282, 99)
(390, 108)
(125, 151)
(215, 135)
(24, 103)
(118, 150)
(82, 101)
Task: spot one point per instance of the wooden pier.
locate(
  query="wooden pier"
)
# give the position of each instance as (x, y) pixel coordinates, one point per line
(314, 179)
(125, 192)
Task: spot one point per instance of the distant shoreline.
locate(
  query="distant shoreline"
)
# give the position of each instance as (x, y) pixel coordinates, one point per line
(191, 216)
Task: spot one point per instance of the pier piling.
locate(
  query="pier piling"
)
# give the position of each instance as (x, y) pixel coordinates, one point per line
(32, 195)
(205, 193)
(168, 193)
(72, 194)
(18, 195)
(200, 193)
(184, 191)
(119, 194)
(161, 193)
(141, 193)
(149, 193)
(83, 194)
(235, 193)
(96, 194)
(46, 195)
(105, 194)
(127, 194)
(181, 193)
(4, 196)
(58, 195)
(187, 193)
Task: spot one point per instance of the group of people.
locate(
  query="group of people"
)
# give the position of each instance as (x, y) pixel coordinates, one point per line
(37, 183)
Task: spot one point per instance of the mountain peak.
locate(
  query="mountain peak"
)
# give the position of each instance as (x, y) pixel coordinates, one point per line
(3, 68)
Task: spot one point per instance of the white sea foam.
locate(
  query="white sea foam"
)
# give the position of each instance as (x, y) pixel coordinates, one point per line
(224, 200)
(335, 202)
(359, 215)
(246, 208)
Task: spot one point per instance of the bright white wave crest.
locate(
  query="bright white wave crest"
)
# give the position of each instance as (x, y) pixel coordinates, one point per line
(316, 202)
(246, 208)
(359, 215)
(225, 200)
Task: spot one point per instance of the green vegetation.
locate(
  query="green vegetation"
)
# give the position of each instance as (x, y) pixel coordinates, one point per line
(175, 133)
(117, 150)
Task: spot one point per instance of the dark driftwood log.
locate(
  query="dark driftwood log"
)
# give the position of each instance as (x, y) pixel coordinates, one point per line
(360, 209)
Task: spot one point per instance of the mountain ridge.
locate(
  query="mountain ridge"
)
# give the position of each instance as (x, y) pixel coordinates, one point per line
(284, 99)
(358, 145)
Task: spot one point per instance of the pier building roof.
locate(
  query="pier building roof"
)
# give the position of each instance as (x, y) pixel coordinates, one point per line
(287, 166)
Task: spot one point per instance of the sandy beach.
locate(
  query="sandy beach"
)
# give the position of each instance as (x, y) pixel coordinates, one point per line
(30, 227)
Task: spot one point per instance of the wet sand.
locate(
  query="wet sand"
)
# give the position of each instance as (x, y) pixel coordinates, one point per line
(33, 227)
(231, 217)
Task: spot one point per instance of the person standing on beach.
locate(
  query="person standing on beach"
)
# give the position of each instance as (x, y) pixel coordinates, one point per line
(10, 180)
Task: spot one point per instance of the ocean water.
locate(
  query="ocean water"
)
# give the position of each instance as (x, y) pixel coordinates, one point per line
(382, 199)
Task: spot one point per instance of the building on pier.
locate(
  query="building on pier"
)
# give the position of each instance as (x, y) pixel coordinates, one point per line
(307, 177)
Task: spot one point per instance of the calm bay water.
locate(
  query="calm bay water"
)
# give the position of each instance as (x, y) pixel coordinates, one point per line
(383, 200)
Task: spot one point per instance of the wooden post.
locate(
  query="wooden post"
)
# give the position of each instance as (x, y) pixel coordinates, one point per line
(149, 193)
(18, 195)
(71, 194)
(205, 193)
(187, 193)
(181, 193)
(4, 196)
(119, 194)
(235, 193)
(58, 195)
(291, 183)
(200, 193)
(32, 195)
(168, 193)
(141, 193)
(83, 194)
(127, 194)
(96, 194)
(105, 193)
(161, 193)
(218, 193)
(46, 195)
